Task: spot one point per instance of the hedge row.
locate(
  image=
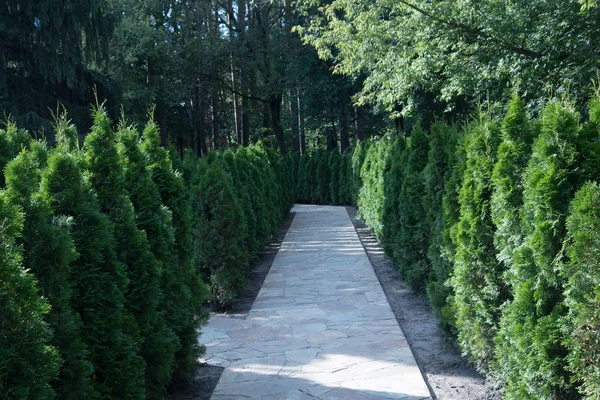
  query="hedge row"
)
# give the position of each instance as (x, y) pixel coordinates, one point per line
(104, 250)
(496, 224)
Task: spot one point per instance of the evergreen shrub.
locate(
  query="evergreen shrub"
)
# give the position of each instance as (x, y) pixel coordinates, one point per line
(28, 362)
(371, 196)
(412, 238)
(531, 357)
(477, 278)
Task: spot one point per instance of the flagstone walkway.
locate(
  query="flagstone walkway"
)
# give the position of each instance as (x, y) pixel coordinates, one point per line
(321, 326)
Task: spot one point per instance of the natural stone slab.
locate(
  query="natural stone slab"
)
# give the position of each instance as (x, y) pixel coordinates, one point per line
(320, 328)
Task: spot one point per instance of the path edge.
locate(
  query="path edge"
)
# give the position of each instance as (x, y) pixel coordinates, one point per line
(383, 287)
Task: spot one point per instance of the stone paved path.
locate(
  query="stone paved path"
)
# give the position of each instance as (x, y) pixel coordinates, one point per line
(321, 326)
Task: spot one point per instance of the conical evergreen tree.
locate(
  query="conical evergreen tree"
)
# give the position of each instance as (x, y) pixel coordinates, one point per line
(392, 183)
(507, 198)
(412, 240)
(143, 295)
(99, 278)
(242, 195)
(323, 195)
(49, 252)
(12, 140)
(442, 298)
(252, 178)
(343, 178)
(28, 363)
(219, 244)
(477, 282)
(181, 284)
(582, 280)
(530, 351)
(371, 197)
(442, 143)
(334, 182)
(301, 189)
(358, 157)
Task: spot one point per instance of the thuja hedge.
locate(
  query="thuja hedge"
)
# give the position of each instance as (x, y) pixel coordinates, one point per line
(111, 249)
(495, 223)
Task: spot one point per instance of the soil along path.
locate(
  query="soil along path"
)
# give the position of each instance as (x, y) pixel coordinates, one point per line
(321, 326)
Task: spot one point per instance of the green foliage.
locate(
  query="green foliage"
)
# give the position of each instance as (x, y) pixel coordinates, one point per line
(302, 189)
(477, 278)
(49, 61)
(181, 282)
(334, 182)
(371, 196)
(254, 182)
(344, 189)
(49, 252)
(442, 298)
(28, 363)
(271, 189)
(156, 220)
(507, 198)
(412, 239)
(392, 183)
(358, 157)
(322, 194)
(143, 294)
(246, 231)
(99, 278)
(399, 48)
(221, 248)
(442, 144)
(530, 352)
(312, 182)
(12, 140)
(582, 280)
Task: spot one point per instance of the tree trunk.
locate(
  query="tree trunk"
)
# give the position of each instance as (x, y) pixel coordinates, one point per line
(201, 149)
(191, 142)
(358, 124)
(331, 133)
(301, 125)
(234, 78)
(162, 112)
(344, 129)
(266, 120)
(244, 78)
(295, 120)
(214, 106)
(275, 106)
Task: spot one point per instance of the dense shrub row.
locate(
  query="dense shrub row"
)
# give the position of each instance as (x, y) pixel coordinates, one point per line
(108, 250)
(496, 224)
